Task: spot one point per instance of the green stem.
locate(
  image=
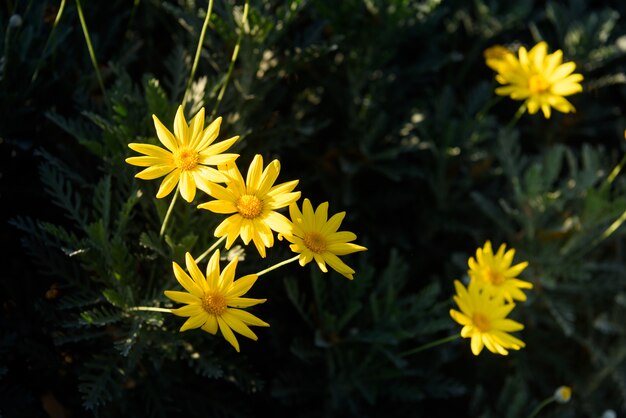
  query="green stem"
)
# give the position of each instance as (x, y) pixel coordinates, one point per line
(211, 248)
(430, 344)
(615, 171)
(50, 38)
(196, 59)
(275, 266)
(516, 117)
(542, 405)
(233, 59)
(149, 308)
(169, 212)
(92, 54)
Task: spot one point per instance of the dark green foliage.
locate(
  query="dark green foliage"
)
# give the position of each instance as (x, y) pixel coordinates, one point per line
(383, 108)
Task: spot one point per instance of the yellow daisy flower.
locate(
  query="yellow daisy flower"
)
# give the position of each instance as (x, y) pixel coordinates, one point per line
(495, 274)
(484, 320)
(542, 80)
(315, 236)
(190, 150)
(253, 203)
(213, 301)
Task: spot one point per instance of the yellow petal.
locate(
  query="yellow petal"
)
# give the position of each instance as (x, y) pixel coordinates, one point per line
(181, 130)
(248, 318)
(210, 325)
(155, 171)
(182, 297)
(244, 302)
(195, 321)
(208, 136)
(147, 161)
(164, 135)
(151, 150)
(195, 272)
(168, 184)
(238, 326)
(333, 224)
(187, 186)
(254, 173)
(186, 281)
(227, 333)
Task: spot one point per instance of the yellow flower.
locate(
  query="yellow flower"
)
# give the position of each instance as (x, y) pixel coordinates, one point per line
(495, 274)
(253, 203)
(212, 301)
(484, 320)
(542, 80)
(315, 236)
(187, 157)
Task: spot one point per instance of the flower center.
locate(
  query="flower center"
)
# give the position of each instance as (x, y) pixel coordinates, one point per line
(249, 206)
(214, 303)
(186, 159)
(481, 322)
(538, 84)
(315, 242)
(495, 277)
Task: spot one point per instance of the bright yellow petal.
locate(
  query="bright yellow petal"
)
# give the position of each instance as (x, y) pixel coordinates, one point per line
(195, 272)
(210, 325)
(213, 270)
(254, 173)
(155, 171)
(244, 302)
(209, 135)
(147, 161)
(248, 318)
(238, 326)
(219, 206)
(187, 186)
(228, 333)
(333, 223)
(189, 310)
(477, 344)
(182, 297)
(168, 184)
(181, 129)
(164, 135)
(195, 321)
(186, 281)
(151, 150)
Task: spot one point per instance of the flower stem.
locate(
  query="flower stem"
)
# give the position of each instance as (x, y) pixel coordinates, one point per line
(516, 117)
(149, 308)
(542, 405)
(196, 59)
(50, 37)
(169, 212)
(92, 54)
(275, 266)
(233, 59)
(430, 344)
(211, 248)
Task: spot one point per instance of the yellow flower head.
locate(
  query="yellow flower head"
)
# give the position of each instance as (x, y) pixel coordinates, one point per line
(253, 203)
(190, 150)
(494, 273)
(315, 236)
(542, 80)
(213, 301)
(484, 320)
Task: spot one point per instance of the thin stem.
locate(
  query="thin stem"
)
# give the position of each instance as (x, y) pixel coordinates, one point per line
(149, 308)
(542, 405)
(92, 54)
(516, 117)
(275, 266)
(211, 248)
(615, 171)
(430, 344)
(169, 212)
(50, 37)
(196, 59)
(233, 59)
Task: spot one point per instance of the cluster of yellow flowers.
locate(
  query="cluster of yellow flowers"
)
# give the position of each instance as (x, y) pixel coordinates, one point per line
(214, 300)
(542, 81)
(488, 300)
